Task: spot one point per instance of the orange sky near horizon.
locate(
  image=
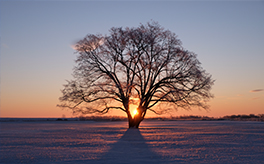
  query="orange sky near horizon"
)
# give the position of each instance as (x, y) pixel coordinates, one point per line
(45, 107)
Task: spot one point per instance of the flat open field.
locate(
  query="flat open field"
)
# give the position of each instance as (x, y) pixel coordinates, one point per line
(111, 142)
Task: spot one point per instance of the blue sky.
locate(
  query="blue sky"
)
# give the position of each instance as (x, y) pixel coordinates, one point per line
(37, 58)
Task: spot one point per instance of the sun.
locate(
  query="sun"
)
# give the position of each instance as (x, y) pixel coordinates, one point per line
(134, 112)
(133, 106)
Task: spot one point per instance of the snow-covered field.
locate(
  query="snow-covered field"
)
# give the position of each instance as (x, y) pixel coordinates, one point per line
(111, 142)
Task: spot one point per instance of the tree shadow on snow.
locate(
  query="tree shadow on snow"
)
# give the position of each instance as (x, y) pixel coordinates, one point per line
(130, 148)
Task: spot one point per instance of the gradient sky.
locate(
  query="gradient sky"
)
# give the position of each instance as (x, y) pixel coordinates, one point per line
(37, 58)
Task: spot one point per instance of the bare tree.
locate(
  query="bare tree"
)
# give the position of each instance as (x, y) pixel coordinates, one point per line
(144, 66)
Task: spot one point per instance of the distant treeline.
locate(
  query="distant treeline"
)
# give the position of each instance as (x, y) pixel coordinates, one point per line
(250, 117)
(102, 118)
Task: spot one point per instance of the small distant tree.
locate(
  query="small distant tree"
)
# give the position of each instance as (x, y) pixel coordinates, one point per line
(144, 66)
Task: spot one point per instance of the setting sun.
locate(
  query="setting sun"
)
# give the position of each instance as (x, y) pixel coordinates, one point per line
(133, 106)
(134, 112)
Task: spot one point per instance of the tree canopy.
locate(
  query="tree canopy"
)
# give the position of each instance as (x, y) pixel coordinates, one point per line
(144, 66)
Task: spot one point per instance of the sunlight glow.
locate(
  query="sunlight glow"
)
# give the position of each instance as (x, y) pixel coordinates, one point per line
(133, 105)
(134, 112)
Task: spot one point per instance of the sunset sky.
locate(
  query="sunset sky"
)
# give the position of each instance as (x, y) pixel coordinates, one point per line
(37, 58)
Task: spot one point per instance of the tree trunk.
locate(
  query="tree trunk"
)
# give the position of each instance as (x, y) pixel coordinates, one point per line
(133, 123)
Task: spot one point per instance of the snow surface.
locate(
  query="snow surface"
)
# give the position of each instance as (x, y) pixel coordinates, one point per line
(111, 142)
